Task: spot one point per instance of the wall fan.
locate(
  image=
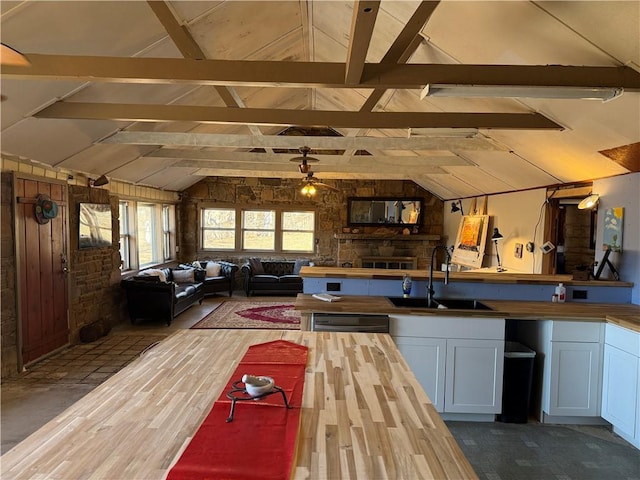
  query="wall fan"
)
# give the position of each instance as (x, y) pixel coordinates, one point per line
(309, 183)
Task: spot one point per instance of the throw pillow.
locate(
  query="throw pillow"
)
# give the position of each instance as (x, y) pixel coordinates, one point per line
(153, 272)
(183, 276)
(298, 265)
(213, 269)
(256, 266)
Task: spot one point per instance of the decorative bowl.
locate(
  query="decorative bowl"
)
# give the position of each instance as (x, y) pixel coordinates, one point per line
(256, 386)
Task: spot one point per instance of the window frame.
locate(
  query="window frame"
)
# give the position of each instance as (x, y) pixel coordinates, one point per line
(159, 234)
(239, 228)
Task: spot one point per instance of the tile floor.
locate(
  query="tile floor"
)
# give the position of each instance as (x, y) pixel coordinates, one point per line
(497, 451)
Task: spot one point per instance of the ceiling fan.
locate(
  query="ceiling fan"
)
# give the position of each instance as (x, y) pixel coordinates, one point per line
(309, 183)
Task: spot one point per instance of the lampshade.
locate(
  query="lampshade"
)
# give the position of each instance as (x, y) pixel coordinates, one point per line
(308, 190)
(100, 181)
(589, 202)
(496, 235)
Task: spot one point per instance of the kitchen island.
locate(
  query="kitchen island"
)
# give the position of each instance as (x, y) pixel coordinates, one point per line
(364, 415)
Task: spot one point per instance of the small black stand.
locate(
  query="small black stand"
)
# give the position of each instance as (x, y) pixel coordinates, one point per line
(606, 261)
(240, 394)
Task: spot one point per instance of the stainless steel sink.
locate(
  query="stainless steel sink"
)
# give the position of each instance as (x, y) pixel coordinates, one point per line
(441, 303)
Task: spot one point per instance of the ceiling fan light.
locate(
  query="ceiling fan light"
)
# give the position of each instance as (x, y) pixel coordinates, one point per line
(522, 91)
(312, 190)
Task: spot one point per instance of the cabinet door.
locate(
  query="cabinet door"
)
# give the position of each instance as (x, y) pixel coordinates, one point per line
(426, 357)
(474, 376)
(575, 379)
(619, 389)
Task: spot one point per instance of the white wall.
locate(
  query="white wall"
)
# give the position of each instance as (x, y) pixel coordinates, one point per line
(622, 191)
(515, 215)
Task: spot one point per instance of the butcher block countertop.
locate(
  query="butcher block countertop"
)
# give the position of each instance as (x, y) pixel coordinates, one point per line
(625, 315)
(483, 277)
(364, 414)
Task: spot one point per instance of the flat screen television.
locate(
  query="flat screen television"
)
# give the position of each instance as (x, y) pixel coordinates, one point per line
(95, 225)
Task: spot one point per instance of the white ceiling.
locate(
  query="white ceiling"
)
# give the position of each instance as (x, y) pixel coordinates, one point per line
(577, 33)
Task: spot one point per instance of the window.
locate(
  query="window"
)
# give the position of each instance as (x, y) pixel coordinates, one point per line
(298, 231)
(218, 228)
(260, 230)
(166, 232)
(124, 237)
(147, 234)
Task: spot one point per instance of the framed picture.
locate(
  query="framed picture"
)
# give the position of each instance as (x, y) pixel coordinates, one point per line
(471, 240)
(612, 235)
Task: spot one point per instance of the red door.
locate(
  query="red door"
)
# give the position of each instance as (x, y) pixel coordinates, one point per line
(42, 267)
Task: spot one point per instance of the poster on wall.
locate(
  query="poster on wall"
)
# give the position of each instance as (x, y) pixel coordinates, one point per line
(612, 235)
(470, 241)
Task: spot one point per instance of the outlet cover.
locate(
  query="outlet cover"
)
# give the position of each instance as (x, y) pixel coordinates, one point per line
(518, 250)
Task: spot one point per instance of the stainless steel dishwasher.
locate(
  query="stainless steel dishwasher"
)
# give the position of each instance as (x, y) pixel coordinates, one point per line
(345, 322)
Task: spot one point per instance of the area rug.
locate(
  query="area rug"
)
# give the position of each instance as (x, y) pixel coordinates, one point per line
(269, 315)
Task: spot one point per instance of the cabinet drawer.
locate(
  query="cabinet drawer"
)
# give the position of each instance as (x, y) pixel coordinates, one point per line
(590, 332)
(622, 338)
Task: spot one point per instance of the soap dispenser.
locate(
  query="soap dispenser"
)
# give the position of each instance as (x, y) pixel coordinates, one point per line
(561, 292)
(406, 286)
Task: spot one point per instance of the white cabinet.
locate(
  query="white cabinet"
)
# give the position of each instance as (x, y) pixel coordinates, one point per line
(474, 376)
(575, 379)
(426, 357)
(621, 382)
(457, 360)
(569, 365)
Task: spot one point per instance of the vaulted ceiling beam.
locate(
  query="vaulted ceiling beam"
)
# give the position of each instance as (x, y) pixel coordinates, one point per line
(288, 117)
(282, 159)
(313, 74)
(364, 17)
(477, 143)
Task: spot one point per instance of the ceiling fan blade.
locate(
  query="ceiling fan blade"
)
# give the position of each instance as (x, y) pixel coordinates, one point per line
(324, 185)
(304, 159)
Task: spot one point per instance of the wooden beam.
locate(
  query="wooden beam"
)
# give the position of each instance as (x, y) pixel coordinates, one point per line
(478, 143)
(308, 118)
(364, 17)
(284, 159)
(312, 74)
(189, 48)
(292, 169)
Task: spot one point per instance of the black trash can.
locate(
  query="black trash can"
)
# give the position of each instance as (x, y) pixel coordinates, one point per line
(517, 380)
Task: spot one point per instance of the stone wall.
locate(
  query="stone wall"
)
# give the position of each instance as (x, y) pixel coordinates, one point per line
(330, 206)
(8, 308)
(94, 280)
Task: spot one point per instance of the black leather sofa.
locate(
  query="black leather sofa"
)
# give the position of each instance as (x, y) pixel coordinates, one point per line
(224, 282)
(272, 277)
(150, 298)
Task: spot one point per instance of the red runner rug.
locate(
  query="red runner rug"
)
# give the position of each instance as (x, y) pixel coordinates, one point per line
(260, 441)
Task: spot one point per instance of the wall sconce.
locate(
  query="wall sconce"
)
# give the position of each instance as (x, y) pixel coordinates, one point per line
(495, 237)
(98, 182)
(455, 208)
(589, 202)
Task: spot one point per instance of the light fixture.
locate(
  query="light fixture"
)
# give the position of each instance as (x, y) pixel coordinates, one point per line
(309, 190)
(98, 182)
(522, 91)
(495, 237)
(455, 208)
(589, 202)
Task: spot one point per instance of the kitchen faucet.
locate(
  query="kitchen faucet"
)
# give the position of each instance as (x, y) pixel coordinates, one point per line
(430, 290)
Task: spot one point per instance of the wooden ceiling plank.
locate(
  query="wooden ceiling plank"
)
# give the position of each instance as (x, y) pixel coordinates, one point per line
(309, 118)
(364, 17)
(318, 74)
(478, 143)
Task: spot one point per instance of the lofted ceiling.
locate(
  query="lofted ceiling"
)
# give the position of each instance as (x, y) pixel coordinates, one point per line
(166, 93)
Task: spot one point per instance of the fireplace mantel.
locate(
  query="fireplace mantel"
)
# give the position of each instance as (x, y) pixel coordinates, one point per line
(373, 236)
